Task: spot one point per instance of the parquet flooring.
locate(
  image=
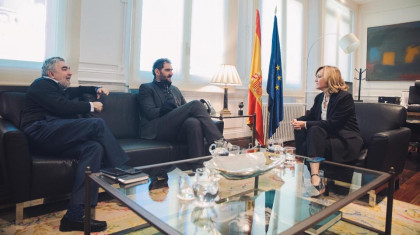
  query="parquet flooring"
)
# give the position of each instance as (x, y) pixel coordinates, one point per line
(409, 190)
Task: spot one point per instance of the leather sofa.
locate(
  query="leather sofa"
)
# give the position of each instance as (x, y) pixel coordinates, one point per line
(385, 137)
(30, 176)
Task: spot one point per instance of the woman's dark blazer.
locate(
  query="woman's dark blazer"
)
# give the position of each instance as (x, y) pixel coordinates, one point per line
(341, 125)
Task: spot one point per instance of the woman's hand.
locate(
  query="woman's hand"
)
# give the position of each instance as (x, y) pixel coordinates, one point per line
(298, 125)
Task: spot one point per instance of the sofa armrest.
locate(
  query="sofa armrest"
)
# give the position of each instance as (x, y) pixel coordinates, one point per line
(389, 148)
(17, 160)
(220, 124)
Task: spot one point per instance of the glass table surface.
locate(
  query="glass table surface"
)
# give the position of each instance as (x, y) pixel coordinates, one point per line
(281, 200)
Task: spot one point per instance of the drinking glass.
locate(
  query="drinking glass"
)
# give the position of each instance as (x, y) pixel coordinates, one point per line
(206, 188)
(219, 148)
(185, 190)
(275, 145)
(234, 149)
(290, 155)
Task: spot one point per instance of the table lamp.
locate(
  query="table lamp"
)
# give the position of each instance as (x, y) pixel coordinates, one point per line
(226, 76)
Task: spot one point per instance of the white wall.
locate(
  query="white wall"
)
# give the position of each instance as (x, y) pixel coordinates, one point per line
(380, 13)
(103, 42)
(100, 50)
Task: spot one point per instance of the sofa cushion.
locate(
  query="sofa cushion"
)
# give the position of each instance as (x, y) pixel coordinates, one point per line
(120, 114)
(11, 106)
(146, 152)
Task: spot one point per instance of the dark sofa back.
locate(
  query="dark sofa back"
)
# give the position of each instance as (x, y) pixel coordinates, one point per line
(120, 112)
(11, 103)
(378, 117)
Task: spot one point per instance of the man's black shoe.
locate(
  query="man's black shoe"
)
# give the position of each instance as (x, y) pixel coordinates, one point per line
(78, 225)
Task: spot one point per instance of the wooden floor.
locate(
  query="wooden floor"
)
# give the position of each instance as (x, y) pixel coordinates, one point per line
(409, 190)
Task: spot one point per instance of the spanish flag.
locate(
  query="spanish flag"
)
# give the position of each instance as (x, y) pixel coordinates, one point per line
(255, 85)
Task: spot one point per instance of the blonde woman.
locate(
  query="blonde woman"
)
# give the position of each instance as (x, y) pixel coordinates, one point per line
(330, 128)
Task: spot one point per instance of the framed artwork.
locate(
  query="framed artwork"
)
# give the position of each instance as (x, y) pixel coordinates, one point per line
(393, 52)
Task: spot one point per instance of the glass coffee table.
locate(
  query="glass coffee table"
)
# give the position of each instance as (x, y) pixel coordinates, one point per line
(279, 201)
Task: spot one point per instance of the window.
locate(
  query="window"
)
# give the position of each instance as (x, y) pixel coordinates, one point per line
(190, 33)
(338, 22)
(28, 31)
(290, 25)
(161, 33)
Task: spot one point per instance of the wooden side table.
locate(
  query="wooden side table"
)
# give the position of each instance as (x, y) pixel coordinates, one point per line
(254, 118)
(413, 115)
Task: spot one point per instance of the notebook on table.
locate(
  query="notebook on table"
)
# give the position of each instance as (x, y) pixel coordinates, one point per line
(129, 179)
(113, 173)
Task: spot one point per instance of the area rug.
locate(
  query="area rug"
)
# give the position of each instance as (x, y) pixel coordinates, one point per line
(405, 217)
(406, 220)
(118, 217)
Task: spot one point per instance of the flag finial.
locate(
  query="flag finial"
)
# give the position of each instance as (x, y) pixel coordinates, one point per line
(275, 11)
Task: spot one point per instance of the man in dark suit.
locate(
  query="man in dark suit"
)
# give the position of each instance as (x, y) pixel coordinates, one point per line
(165, 115)
(50, 121)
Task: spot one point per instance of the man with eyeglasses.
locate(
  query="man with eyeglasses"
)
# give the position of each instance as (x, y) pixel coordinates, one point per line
(50, 121)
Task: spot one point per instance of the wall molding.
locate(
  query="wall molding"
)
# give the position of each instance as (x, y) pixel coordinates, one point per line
(102, 73)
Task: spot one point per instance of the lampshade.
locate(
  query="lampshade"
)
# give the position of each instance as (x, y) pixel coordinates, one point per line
(349, 43)
(226, 75)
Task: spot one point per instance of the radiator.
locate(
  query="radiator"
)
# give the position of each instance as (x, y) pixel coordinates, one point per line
(285, 130)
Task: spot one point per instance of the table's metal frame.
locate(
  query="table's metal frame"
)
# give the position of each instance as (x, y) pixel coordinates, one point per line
(299, 227)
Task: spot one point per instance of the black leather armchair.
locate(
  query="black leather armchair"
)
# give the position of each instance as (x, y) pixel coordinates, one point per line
(414, 107)
(414, 97)
(384, 135)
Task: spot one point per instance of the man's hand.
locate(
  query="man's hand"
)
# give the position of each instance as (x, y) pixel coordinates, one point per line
(97, 106)
(298, 125)
(169, 103)
(100, 91)
(168, 106)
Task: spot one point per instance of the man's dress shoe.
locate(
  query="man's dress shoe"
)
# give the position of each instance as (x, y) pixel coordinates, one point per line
(78, 225)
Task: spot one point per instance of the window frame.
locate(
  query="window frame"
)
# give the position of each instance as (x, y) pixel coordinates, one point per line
(55, 40)
(348, 77)
(182, 75)
(282, 18)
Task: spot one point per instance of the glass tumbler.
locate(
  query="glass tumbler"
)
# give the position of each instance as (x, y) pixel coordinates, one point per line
(290, 155)
(275, 146)
(206, 188)
(234, 150)
(185, 189)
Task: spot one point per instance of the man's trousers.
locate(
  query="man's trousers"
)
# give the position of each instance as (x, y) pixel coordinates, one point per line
(189, 122)
(87, 139)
